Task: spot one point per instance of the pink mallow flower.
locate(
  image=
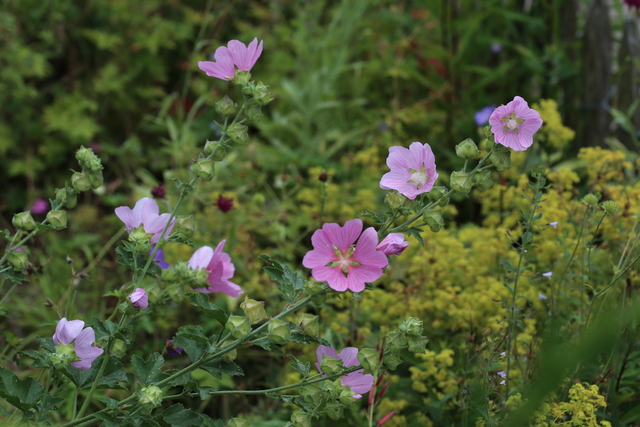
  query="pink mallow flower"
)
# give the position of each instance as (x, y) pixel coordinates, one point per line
(236, 54)
(413, 170)
(338, 260)
(514, 124)
(220, 268)
(139, 298)
(145, 213)
(393, 244)
(68, 331)
(40, 206)
(358, 382)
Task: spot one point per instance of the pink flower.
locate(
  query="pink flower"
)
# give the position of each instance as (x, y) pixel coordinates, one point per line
(68, 331)
(220, 269)
(413, 170)
(139, 298)
(514, 124)
(336, 258)
(238, 54)
(145, 213)
(357, 381)
(40, 206)
(393, 244)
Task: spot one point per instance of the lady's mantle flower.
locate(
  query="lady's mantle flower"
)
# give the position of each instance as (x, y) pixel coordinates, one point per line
(238, 54)
(514, 124)
(66, 333)
(220, 268)
(145, 213)
(338, 260)
(413, 170)
(139, 298)
(357, 381)
(393, 244)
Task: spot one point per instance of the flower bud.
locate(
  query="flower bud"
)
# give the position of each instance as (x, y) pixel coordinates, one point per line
(411, 326)
(225, 106)
(262, 94)
(80, 181)
(72, 199)
(238, 326)
(334, 410)
(238, 422)
(238, 133)
(330, 366)
(461, 182)
(88, 160)
(254, 310)
(392, 361)
(437, 194)
(501, 159)
(393, 244)
(488, 134)
(482, 180)
(279, 331)
(57, 219)
(96, 179)
(309, 324)
(301, 419)
(590, 199)
(467, 149)
(417, 344)
(610, 207)
(204, 168)
(23, 221)
(394, 200)
(247, 88)
(150, 397)
(229, 356)
(346, 397)
(139, 298)
(369, 358)
(312, 394)
(169, 274)
(395, 341)
(241, 77)
(140, 239)
(254, 113)
(317, 291)
(19, 260)
(64, 355)
(433, 219)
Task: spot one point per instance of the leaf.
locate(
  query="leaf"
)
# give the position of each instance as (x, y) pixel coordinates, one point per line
(218, 368)
(201, 300)
(179, 416)
(208, 422)
(104, 329)
(112, 375)
(416, 232)
(303, 368)
(22, 394)
(148, 370)
(182, 379)
(179, 239)
(13, 276)
(193, 341)
(378, 219)
(508, 266)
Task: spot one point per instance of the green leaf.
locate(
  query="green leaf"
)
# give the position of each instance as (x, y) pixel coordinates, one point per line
(208, 422)
(193, 341)
(179, 416)
(179, 239)
(508, 266)
(22, 394)
(303, 368)
(147, 371)
(104, 329)
(13, 276)
(182, 379)
(417, 233)
(379, 219)
(201, 300)
(113, 374)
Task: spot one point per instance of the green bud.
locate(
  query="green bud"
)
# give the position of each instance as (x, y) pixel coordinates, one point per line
(334, 410)
(241, 77)
(19, 260)
(301, 419)
(238, 326)
(238, 422)
(394, 200)
(229, 356)
(96, 179)
(262, 94)
(150, 397)
(185, 226)
(279, 331)
(395, 341)
(64, 355)
(433, 219)
(88, 160)
(369, 358)
(309, 324)
(23, 221)
(501, 159)
(346, 397)
(80, 181)
(317, 291)
(258, 199)
(482, 180)
(590, 199)
(140, 239)
(72, 199)
(57, 219)
(489, 143)
(487, 133)
(438, 193)
(392, 361)
(169, 274)
(467, 149)
(204, 168)
(226, 106)
(238, 133)
(610, 207)
(254, 310)
(411, 326)
(460, 182)
(417, 344)
(330, 366)
(312, 394)
(254, 113)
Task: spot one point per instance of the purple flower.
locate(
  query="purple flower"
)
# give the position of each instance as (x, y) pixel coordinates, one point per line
(393, 244)
(541, 296)
(514, 124)
(548, 274)
(139, 298)
(40, 206)
(68, 331)
(158, 258)
(220, 269)
(145, 213)
(413, 170)
(496, 47)
(338, 260)
(554, 224)
(237, 53)
(172, 349)
(358, 382)
(502, 374)
(482, 116)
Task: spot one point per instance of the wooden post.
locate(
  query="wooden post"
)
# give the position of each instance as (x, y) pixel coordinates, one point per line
(628, 77)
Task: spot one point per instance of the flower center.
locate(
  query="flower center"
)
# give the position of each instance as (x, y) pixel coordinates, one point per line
(419, 178)
(511, 122)
(344, 261)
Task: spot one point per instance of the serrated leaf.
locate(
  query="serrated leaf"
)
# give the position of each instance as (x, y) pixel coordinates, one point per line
(275, 273)
(201, 301)
(218, 368)
(208, 422)
(47, 344)
(112, 375)
(40, 359)
(303, 368)
(508, 266)
(192, 341)
(182, 379)
(179, 416)
(183, 240)
(22, 394)
(104, 329)
(108, 420)
(299, 337)
(416, 232)
(378, 219)
(148, 371)
(13, 276)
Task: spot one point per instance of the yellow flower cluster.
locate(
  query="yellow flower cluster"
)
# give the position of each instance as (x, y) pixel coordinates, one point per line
(554, 134)
(604, 166)
(435, 375)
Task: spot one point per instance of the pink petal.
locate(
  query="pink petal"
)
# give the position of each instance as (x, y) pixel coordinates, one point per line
(146, 208)
(322, 351)
(366, 252)
(343, 237)
(322, 252)
(357, 382)
(349, 356)
(333, 276)
(128, 216)
(67, 331)
(393, 244)
(84, 349)
(201, 258)
(222, 68)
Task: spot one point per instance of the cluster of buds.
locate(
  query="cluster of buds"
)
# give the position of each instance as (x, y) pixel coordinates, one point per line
(407, 336)
(329, 399)
(180, 273)
(91, 175)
